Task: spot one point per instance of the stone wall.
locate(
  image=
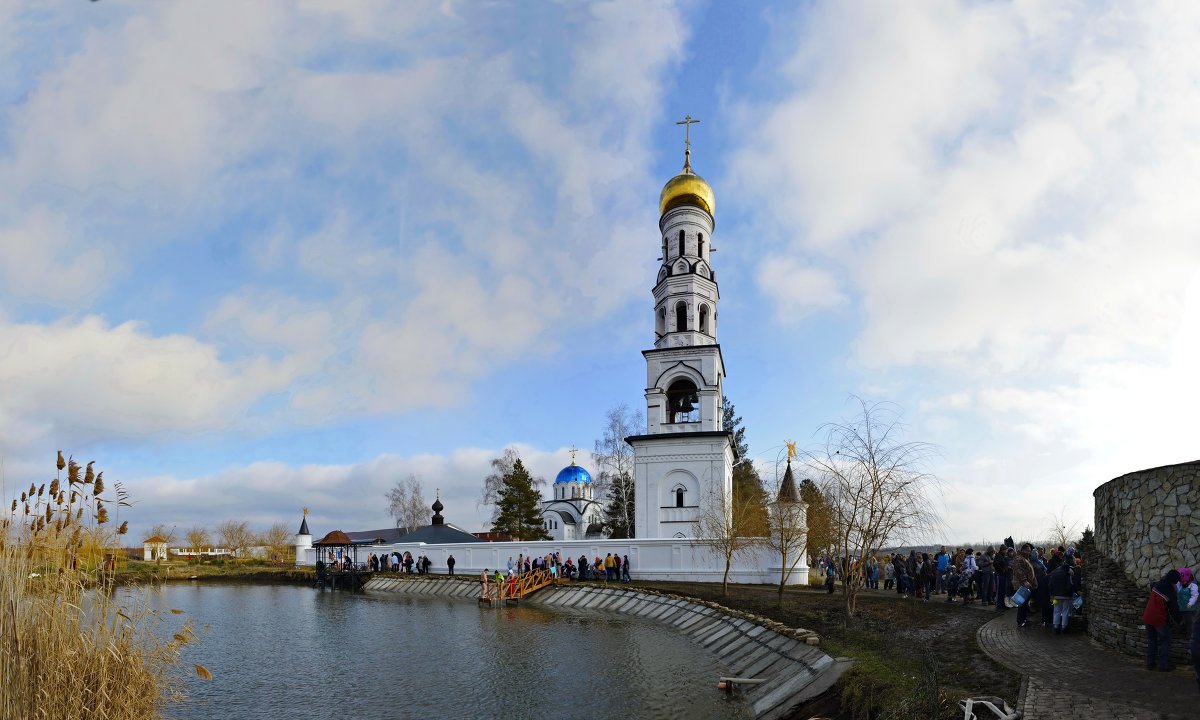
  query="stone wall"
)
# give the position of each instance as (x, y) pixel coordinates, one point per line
(1144, 527)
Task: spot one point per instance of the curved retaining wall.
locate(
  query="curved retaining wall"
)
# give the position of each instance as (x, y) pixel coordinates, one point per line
(1145, 525)
(788, 659)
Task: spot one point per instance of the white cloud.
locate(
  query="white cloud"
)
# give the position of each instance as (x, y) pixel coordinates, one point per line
(39, 263)
(74, 382)
(345, 496)
(796, 288)
(1007, 191)
(429, 193)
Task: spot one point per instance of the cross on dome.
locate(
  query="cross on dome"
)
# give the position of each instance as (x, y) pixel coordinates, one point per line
(687, 123)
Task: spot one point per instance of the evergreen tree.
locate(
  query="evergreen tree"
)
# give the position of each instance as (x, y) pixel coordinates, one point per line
(821, 530)
(748, 490)
(618, 514)
(518, 505)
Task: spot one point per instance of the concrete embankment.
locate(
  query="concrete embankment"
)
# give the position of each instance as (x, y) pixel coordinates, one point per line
(793, 668)
(425, 585)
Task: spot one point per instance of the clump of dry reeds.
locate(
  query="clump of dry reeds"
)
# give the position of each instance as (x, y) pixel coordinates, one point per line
(71, 645)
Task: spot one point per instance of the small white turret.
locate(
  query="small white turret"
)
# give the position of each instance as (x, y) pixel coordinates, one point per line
(303, 540)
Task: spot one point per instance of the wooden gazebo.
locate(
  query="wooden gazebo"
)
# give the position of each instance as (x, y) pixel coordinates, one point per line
(337, 562)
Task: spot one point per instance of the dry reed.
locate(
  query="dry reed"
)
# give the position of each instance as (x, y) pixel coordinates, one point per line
(72, 645)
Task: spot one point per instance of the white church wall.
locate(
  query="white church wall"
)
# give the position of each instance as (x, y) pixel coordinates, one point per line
(649, 558)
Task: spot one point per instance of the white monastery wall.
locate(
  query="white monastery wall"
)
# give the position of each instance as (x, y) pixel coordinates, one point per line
(649, 559)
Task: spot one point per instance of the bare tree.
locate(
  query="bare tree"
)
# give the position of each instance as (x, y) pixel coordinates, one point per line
(406, 503)
(788, 524)
(236, 536)
(198, 539)
(1062, 532)
(725, 527)
(162, 531)
(878, 488)
(279, 542)
(613, 458)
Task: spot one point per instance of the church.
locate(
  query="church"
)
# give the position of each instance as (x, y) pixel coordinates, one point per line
(573, 513)
(683, 463)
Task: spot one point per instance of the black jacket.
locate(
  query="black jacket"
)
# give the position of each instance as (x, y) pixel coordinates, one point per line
(1061, 585)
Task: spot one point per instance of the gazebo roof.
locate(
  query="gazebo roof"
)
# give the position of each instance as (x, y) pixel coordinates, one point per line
(336, 537)
(153, 540)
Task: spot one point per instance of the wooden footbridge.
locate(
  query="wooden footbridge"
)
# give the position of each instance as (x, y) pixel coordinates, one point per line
(513, 590)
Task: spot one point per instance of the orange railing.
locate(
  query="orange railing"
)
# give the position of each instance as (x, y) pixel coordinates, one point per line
(514, 589)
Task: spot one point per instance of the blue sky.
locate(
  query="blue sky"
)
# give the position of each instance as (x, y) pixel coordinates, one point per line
(260, 256)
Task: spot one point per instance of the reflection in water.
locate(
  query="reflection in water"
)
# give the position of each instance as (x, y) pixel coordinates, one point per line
(295, 653)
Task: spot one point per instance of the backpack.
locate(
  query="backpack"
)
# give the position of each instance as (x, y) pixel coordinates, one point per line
(1185, 596)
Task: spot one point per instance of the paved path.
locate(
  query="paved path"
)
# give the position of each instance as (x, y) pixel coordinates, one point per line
(1068, 678)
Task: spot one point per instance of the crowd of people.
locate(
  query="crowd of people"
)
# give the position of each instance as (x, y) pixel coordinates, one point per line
(1032, 579)
(405, 563)
(1050, 578)
(611, 568)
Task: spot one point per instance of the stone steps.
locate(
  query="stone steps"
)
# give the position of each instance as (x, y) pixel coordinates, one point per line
(795, 670)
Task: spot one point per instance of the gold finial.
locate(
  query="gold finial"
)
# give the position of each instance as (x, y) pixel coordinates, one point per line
(687, 122)
(791, 446)
(305, 512)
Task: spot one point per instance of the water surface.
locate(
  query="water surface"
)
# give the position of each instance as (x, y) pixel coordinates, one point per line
(294, 653)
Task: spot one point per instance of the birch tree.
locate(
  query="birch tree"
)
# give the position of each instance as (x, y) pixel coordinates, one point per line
(406, 503)
(725, 527)
(788, 525)
(879, 487)
(613, 458)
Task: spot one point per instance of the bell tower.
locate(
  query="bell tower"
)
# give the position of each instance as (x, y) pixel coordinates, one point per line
(685, 460)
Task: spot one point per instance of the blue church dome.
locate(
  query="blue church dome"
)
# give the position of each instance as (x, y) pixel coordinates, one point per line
(572, 473)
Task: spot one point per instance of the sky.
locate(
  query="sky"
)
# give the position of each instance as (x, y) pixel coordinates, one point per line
(262, 256)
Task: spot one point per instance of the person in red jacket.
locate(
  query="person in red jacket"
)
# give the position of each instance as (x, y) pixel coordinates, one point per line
(1162, 609)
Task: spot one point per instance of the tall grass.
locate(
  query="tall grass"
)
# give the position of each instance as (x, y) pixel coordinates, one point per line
(70, 645)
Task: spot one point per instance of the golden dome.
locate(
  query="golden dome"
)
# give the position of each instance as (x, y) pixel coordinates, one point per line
(687, 188)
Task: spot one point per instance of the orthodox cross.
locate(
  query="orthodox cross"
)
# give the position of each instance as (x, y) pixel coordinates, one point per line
(791, 448)
(686, 122)
(573, 451)
(305, 512)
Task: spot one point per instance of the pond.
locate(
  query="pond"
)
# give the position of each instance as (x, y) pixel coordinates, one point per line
(295, 653)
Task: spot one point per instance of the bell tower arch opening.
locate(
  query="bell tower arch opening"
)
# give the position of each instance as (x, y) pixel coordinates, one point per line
(681, 324)
(683, 401)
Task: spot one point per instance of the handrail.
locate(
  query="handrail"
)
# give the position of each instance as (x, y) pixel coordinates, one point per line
(518, 587)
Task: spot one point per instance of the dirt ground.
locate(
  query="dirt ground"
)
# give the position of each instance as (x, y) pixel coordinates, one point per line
(913, 659)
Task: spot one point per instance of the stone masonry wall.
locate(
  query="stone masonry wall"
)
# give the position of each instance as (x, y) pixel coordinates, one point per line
(1144, 526)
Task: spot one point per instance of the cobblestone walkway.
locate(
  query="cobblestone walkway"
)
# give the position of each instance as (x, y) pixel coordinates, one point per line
(1067, 678)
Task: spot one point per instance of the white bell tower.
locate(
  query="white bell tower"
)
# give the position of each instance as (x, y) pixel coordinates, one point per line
(685, 461)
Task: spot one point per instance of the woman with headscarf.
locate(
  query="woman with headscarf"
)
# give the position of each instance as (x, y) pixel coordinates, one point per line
(1162, 609)
(1188, 593)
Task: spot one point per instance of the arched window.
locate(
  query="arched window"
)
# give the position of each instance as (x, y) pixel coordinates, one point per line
(681, 243)
(574, 492)
(660, 323)
(704, 319)
(683, 400)
(700, 244)
(678, 497)
(681, 316)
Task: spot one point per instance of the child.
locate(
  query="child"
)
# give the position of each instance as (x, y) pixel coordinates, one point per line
(950, 581)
